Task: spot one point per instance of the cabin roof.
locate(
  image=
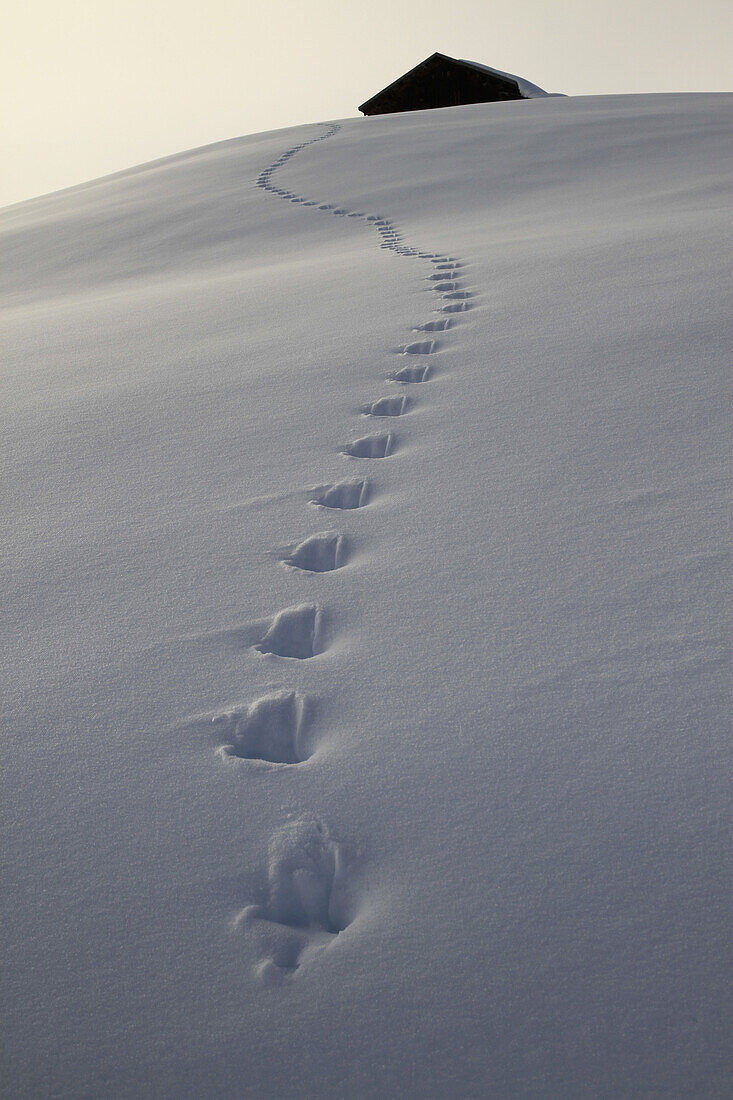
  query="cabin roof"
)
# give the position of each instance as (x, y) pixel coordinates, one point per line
(516, 86)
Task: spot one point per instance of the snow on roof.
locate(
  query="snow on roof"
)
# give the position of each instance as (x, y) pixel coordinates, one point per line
(526, 88)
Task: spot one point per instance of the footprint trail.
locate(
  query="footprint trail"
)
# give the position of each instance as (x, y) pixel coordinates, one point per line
(301, 910)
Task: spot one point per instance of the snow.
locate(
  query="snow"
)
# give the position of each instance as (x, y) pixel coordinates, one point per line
(526, 87)
(367, 707)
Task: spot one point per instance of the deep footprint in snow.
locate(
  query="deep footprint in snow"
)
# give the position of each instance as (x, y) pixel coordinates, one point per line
(271, 729)
(303, 904)
(293, 633)
(446, 289)
(419, 347)
(319, 553)
(411, 374)
(346, 495)
(456, 307)
(386, 406)
(380, 445)
(282, 952)
(435, 326)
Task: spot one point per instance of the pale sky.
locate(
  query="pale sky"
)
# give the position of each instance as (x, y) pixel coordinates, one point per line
(92, 86)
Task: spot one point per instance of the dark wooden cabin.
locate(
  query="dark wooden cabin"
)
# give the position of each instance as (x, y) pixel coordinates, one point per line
(442, 81)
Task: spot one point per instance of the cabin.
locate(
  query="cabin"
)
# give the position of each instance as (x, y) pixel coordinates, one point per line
(442, 81)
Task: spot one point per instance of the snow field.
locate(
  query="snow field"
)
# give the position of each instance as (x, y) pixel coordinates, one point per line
(368, 707)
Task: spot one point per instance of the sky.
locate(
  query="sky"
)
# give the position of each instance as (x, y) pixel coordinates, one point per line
(100, 85)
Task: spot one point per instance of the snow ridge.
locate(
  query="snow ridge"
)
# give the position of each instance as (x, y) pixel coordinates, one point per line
(307, 868)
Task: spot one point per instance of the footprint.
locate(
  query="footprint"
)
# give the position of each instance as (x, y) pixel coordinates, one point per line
(320, 553)
(419, 347)
(448, 267)
(444, 288)
(271, 729)
(435, 326)
(459, 294)
(456, 307)
(386, 406)
(304, 896)
(347, 495)
(304, 865)
(282, 954)
(411, 374)
(379, 445)
(293, 633)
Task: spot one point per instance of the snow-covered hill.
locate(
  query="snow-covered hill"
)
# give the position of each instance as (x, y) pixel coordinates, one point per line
(367, 700)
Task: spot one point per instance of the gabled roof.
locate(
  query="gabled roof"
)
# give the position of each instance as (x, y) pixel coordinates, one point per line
(526, 88)
(506, 85)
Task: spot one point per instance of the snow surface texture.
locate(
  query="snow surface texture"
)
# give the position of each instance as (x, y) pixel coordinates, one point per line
(367, 715)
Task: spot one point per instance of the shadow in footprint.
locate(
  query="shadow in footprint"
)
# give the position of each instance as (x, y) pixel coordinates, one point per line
(319, 553)
(271, 729)
(346, 495)
(386, 406)
(419, 347)
(435, 326)
(293, 633)
(282, 952)
(304, 901)
(380, 445)
(411, 374)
